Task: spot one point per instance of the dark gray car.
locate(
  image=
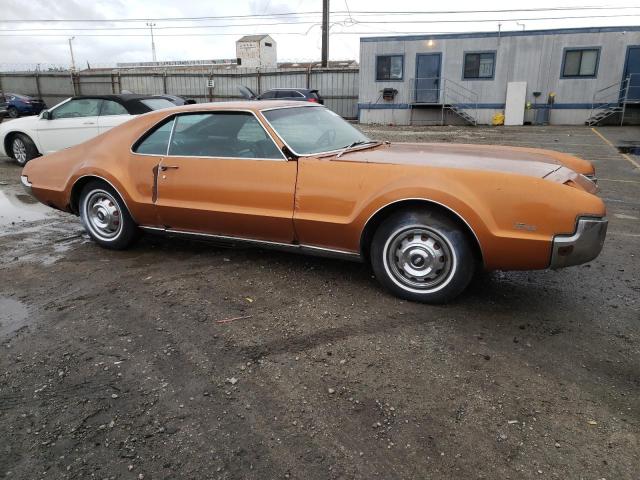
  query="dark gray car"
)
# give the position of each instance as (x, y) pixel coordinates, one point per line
(300, 94)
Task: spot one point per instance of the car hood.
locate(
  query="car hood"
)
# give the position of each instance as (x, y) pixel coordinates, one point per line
(19, 124)
(517, 160)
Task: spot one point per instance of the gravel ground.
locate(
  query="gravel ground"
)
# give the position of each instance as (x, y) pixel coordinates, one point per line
(179, 360)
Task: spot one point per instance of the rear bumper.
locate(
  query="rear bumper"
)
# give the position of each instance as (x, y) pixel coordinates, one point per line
(582, 246)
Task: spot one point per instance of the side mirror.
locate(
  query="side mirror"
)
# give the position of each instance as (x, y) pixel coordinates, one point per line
(45, 115)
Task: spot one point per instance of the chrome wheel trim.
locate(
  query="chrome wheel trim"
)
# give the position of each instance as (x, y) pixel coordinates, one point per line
(19, 150)
(102, 215)
(419, 259)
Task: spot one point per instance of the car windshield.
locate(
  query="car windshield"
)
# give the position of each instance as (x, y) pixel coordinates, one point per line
(312, 130)
(157, 103)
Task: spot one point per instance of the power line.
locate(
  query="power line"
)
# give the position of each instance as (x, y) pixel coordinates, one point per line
(29, 32)
(347, 12)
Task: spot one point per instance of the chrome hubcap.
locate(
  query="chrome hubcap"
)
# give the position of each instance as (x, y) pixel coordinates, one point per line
(19, 150)
(103, 215)
(419, 258)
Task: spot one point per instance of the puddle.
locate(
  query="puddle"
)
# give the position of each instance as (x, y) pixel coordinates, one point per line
(21, 207)
(13, 316)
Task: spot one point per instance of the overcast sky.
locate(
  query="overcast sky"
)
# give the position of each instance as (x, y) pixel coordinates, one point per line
(298, 40)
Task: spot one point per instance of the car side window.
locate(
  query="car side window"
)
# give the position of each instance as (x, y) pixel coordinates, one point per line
(284, 94)
(267, 95)
(155, 142)
(109, 107)
(83, 107)
(222, 135)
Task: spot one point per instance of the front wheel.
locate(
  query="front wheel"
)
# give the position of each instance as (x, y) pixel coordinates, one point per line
(13, 112)
(23, 149)
(106, 218)
(422, 256)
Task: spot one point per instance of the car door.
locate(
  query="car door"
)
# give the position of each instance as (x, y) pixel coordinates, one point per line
(224, 175)
(111, 115)
(69, 124)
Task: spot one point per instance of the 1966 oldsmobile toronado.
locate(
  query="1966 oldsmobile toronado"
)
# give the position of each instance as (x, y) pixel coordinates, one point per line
(297, 176)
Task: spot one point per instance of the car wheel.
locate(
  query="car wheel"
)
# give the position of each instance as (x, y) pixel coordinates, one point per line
(13, 112)
(23, 149)
(422, 256)
(106, 218)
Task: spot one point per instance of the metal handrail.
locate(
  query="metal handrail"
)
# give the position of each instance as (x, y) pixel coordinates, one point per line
(611, 98)
(460, 97)
(448, 94)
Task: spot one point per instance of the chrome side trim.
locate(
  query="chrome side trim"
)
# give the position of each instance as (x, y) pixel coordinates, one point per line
(580, 247)
(430, 201)
(197, 112)
(290, 247)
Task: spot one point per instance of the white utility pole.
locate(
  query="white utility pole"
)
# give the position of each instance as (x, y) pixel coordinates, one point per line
(153, 44)
(73, 60)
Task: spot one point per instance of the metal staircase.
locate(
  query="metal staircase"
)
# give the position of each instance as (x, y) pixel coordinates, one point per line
(460, 100)
(609, 101)
(447, 95)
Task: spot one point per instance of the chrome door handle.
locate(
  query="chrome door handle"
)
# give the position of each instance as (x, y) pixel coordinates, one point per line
(167, 167)
(89, 123)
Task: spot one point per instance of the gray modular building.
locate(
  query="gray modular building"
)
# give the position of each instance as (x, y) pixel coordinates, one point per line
(562, 76)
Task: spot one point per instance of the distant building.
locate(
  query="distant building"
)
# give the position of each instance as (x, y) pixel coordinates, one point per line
(591, 74)
(256, 51)
(330, 64)
(180, 63)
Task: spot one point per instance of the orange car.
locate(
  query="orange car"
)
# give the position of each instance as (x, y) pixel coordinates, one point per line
(296, 176)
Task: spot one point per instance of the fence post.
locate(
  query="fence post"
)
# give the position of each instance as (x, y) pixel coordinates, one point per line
(309, 76)
(164, 82)
(209, 89)
(38, 85)
(259, 82)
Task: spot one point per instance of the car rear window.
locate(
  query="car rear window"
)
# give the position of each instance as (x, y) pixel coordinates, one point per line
(157, 103)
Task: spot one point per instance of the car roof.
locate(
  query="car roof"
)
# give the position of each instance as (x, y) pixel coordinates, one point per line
(130, 101)
(252, 105)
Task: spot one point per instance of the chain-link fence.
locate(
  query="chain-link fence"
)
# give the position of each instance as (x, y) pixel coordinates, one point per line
(338, 86)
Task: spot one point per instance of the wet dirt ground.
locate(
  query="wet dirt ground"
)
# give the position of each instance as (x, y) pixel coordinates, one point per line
(178, 360)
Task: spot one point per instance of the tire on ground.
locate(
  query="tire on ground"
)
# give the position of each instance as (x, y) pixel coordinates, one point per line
(105, 216)
(22, 143)
(422, 255)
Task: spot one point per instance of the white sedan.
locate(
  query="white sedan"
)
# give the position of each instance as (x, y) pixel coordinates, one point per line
(71, 122)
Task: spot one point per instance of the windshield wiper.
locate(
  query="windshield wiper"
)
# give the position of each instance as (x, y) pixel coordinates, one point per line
(354, 144)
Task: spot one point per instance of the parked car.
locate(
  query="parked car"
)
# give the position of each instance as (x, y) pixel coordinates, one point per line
(296, 176)
(297, 94)
(3, 106)
(18, 105)
(178, 100)
(73, 121)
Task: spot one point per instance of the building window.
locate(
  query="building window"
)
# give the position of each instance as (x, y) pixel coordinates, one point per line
(479, 65)
(389, 67)
(580, 62)
(267, 44)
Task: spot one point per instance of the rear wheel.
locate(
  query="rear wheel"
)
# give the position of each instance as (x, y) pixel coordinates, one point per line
(422, 256)
(23, 149)
(106, 218)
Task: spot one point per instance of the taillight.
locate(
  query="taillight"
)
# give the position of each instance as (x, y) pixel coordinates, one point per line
(311, 99)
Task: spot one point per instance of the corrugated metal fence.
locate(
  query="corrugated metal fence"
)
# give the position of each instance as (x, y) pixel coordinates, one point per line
(339, 87)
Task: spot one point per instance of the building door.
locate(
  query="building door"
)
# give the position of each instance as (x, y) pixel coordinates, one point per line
(632, 72)
(427, 78)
